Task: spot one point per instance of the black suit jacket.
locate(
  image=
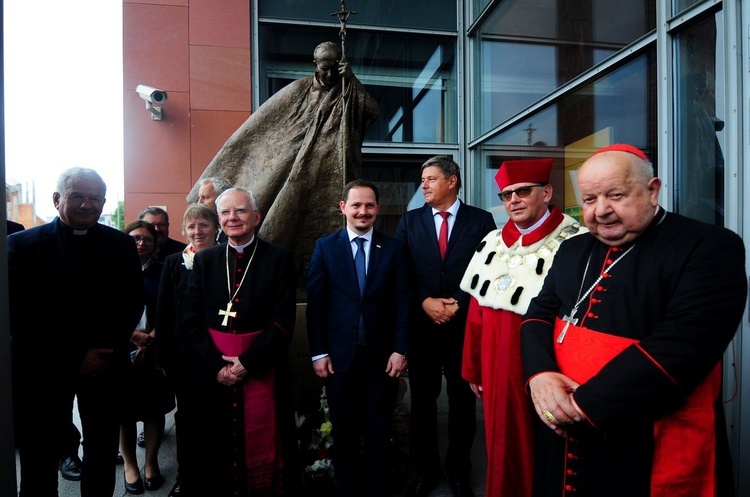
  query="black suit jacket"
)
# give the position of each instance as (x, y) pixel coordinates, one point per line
(436, 277)
(174, 280)
(69, 293)
(169, 247)
(334, 303)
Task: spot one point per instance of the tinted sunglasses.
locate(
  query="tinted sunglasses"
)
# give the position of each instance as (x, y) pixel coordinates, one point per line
(522, 192)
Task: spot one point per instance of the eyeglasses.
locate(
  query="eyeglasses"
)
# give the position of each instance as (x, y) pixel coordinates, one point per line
(522, 192)
(145, 239)
(195, 226)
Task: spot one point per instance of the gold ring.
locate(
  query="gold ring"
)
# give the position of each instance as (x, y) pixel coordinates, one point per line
(548, 416)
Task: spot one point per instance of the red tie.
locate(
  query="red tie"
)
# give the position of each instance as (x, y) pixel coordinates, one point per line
(443, 238)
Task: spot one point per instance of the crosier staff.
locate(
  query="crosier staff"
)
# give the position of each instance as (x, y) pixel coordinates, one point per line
(343, 16)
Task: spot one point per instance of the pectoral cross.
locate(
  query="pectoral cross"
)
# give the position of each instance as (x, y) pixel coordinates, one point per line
(568, 321)
(227, 313)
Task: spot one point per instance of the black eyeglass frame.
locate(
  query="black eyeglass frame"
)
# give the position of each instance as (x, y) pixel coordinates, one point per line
(521, 192)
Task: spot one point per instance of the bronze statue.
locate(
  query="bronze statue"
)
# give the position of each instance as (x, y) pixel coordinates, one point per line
(298, 150)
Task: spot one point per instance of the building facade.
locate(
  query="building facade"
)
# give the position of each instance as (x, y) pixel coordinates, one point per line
(481, 80)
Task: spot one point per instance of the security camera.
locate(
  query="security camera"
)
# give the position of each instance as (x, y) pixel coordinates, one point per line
(152, 96)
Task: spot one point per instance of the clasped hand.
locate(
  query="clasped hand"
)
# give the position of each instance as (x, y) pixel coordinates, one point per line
(440, 310)
(552, 394)
(232, 373)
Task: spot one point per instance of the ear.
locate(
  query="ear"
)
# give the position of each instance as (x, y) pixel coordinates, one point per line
(654, 186)
(342, 206)
(547, 189)
(452, 181)
(56, 199)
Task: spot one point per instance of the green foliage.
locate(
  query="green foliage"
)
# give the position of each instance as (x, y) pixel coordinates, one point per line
(315, 440)
(119, 215)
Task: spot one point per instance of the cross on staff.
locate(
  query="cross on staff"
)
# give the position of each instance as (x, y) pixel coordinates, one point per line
(343, 16)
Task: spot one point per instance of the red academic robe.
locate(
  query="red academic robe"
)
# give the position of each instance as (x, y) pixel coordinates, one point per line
(492, 345)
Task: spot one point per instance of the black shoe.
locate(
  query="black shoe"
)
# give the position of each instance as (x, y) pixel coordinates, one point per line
(154, 483)
(141, 439)
(175, 492)
(421, 486)
(133, 488)
(70, 468)
(461, 488)
(120, 460)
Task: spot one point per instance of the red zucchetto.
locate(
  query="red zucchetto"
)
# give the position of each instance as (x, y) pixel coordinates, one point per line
(523, 171)
(622, 147)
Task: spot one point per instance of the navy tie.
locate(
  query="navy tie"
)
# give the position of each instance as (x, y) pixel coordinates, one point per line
(359, 264)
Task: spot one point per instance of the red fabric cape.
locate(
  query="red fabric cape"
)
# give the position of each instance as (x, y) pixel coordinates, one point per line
(675, 471)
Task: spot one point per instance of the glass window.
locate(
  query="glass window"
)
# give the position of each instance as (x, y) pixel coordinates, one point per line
(414, 14)
(617, 107)
(528, 48)
(397, 177)
(477, 6)
(412, 77)
(680, 5)
(699, 165)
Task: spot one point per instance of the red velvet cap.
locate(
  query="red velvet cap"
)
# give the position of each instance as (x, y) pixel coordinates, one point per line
(523, 171)
(622, 147)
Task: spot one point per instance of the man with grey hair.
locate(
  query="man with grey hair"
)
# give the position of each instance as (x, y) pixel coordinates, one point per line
(210, 189)
(239, 315)
(76, 295)
(622, 348)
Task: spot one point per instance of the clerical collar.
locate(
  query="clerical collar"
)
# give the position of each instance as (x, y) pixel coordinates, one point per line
(70, 229)
(526, 231)
(241, 248)
(352, 235)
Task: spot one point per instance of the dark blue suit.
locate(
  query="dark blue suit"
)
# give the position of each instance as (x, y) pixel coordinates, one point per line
(70, 293)
(360, 392)
(436, 349)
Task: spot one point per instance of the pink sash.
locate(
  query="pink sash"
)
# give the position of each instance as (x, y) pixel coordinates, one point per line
(262, 445)
(676, 472)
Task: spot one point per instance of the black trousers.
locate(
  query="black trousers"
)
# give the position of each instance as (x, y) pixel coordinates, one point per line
(51, 399)
(436, 351)
(361, 402)
(190, 430)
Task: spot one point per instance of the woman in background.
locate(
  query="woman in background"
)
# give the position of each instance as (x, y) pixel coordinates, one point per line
(200, 225)
(148, 393)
